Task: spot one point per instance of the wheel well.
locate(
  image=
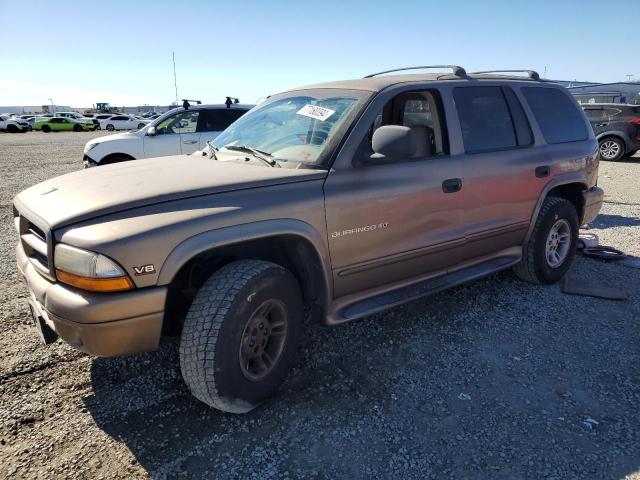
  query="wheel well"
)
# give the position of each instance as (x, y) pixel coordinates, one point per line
(618, 137)
(292, 252)
(573, 193)
(115, 158)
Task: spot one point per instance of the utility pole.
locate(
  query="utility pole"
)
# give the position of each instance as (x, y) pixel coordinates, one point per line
(629, 75)
(175, 78)
(51, 112)
(545, 72)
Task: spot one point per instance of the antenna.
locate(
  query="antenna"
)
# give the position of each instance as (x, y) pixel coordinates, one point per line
(175, 78)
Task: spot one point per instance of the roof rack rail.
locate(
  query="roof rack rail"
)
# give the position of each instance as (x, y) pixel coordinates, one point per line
(533, 75)
(456, 69)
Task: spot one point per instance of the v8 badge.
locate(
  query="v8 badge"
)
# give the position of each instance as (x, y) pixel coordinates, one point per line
(144, 270)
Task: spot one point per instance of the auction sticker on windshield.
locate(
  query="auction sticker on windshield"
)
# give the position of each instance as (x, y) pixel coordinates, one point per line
(314, 111)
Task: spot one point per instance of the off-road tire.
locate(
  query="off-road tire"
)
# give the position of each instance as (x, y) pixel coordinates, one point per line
(534, 267)
(214, 326)
(46, 128)
(77, 128)
(12, 129)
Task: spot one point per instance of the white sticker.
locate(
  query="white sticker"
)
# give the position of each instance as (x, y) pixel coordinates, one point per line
(314, 111)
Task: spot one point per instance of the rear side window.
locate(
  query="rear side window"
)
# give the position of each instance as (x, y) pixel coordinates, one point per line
(219, 119)
(485, 119)
(557, 116)
(520, 122)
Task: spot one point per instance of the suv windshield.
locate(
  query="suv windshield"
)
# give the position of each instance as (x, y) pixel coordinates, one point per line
(300, 126)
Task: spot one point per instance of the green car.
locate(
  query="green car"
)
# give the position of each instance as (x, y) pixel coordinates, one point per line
(57, 124)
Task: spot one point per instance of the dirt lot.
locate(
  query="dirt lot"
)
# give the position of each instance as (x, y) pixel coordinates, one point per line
(495, 379)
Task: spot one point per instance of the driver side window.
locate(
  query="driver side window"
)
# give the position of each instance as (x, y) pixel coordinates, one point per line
(182, 122)
(420, 110)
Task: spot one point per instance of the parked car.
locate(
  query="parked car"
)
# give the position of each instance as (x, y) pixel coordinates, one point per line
(81, 118)
(123, 122)
(178, 131)
(617, 128)
(58, 124)
(325, 203)
(13, 124)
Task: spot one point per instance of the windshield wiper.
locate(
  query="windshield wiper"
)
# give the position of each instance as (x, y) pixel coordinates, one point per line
(212, 150)
(259, 154)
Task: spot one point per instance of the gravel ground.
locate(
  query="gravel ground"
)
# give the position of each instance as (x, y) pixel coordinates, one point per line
(496, 379)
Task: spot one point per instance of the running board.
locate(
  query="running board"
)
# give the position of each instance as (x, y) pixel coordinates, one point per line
(383, 301)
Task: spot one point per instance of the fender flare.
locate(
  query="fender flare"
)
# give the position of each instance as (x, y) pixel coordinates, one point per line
(615, 133)
(236, 234)
(563, 179)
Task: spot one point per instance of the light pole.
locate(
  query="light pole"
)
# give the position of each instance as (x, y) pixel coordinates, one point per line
(51, 112)
(629, 75)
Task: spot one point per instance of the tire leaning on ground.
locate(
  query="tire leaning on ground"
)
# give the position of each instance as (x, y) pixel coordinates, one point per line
(110, 128)
(549, 252)
(46, 128)
(240, 335)
(611, 148)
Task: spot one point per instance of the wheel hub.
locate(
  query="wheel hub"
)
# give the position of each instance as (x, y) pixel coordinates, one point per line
(558, 243)
(609, 149)
(263, 340)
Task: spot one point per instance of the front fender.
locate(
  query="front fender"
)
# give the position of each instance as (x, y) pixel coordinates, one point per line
(231, 235)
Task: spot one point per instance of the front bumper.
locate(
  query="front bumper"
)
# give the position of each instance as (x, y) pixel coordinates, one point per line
(592, 200)
(102, 324)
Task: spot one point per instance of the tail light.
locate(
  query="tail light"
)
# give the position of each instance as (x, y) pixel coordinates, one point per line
(635, 121)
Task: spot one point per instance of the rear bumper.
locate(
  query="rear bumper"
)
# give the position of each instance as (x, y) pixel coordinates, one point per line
(102, 324)
(592, 204)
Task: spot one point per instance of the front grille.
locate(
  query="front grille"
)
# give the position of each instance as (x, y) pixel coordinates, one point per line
(36, 243)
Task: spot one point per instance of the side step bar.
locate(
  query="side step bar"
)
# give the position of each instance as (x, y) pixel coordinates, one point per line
(407, 293)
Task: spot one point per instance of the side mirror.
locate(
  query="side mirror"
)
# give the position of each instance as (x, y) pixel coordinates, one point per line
(152, 131)
(393, 142)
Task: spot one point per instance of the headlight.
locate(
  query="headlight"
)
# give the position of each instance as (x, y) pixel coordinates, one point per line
(89, 270)
(89, 146)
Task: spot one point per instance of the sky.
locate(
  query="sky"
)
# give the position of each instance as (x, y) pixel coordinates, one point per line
(78, 53)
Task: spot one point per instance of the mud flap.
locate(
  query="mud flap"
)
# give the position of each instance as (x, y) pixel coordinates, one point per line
(47, 335)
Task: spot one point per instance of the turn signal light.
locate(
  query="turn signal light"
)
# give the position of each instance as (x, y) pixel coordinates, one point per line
(111, 284)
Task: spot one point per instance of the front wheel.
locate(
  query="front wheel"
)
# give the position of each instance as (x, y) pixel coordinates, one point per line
(110, 128)
(548, 254)
(140, 125)
(611, 149)
(46, 128)
(240, 335)
(12, 129)
(77, 128)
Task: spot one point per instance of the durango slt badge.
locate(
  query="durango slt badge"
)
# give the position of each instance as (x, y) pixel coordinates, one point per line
(367, 228)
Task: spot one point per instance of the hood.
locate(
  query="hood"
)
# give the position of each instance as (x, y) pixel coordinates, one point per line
(112, 138)
(108, 189)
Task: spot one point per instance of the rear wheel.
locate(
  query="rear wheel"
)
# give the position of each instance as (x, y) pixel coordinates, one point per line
(46, 128)
(12, 129)
(140, 125)
(240, 335)
(611, 149)
(77, 128)
(549, 252)
(110, 128)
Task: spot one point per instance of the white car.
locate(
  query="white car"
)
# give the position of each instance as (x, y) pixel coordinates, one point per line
(179, 131)
(13, 124)
(123, 122)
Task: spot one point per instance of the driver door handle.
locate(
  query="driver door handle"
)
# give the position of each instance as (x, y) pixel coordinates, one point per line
(190, 142)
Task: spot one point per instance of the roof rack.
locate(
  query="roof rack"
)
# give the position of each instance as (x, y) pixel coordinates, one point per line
(532, 74)
(457, 70)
